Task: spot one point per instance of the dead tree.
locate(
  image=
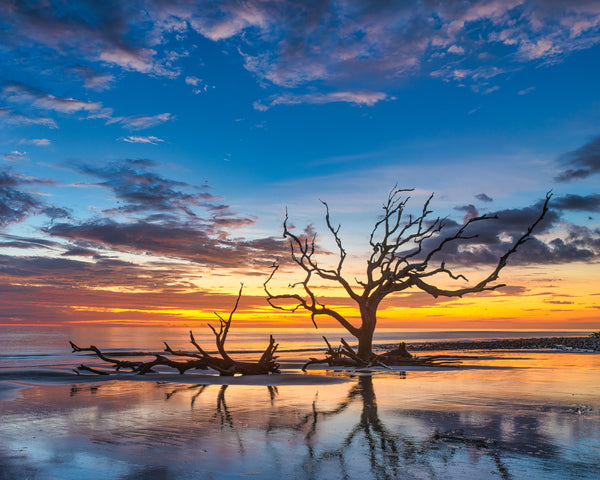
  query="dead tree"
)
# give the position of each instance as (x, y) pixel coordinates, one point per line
(401, 258)
(202, 360)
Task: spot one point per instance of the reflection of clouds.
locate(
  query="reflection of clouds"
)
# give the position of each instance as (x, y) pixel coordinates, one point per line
(375, 427)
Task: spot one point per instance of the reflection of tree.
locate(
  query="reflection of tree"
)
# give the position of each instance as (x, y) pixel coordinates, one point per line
(222, 412)
(362, 436)
(389, 454)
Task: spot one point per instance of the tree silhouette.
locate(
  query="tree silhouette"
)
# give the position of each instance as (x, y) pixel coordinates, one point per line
(402, 258)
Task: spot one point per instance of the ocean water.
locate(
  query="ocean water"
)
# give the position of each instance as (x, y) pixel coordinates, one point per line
(26, 346)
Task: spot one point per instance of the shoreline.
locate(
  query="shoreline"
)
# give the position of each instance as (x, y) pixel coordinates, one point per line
(566, 344)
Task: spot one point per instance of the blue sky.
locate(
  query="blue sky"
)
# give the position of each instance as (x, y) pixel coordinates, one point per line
(145, 133)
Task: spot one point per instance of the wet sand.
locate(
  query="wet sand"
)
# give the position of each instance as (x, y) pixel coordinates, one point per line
(507, 415)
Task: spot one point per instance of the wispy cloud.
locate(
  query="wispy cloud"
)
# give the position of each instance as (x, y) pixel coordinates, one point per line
(39, 142)
(14, 156)
(357, 98)
(21, 94)
(137, 139)
(9, 116)
(141, 122)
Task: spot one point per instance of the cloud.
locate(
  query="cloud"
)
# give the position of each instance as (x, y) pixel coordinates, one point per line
(589, 203)
(192, 81)
(79, 252)
(526, 91)
(456, 49)
(582, 162)
(142, 191)
(294, 43)
(112, 33)
(347, 45)
(356, 98)
(162, 217)
(15, 205)
(39, 142)
(9, 116)
(92, 79)
(141, 122)
(91, 273)
(17, 93)
(494, 237)
(139, 59)
(470, 212)
(484, 198)
(14, 156)
(201, 87)
(16, 241)
(136, 139)
(193, 242)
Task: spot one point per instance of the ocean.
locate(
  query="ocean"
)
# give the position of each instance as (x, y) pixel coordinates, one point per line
(32, 346)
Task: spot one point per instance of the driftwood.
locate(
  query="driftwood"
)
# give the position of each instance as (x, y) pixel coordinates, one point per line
(202, 360)
(345, 356)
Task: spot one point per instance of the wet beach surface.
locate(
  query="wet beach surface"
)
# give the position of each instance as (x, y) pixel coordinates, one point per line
(510, 415)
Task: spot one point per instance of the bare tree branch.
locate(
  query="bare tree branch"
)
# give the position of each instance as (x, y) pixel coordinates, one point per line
(400, 259)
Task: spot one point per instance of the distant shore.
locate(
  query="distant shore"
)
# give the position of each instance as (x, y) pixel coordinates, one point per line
(578, 344)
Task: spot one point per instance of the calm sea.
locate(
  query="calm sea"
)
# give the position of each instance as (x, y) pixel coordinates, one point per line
(22, 346)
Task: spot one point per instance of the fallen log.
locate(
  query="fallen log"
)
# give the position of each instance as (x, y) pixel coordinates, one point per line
(345, 356)
(223, 364)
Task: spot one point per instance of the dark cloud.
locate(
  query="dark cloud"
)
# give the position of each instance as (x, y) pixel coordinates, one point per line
(193, 242)
(142, 191)
(470, 212)
(17, 241)
(581, 163)
(493, 237)
(15, 205)
(588, 203)
(100, 31)
(89, 274)
(483, 197)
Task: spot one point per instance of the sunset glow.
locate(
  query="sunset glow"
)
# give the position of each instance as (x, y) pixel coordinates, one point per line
(149, 152)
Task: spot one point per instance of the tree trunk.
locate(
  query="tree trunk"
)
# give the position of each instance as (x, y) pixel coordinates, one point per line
(365, 335)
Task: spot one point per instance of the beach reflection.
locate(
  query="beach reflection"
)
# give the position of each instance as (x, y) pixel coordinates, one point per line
(454, 424)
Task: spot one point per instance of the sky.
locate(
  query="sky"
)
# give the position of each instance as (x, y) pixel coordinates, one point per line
(149, 151)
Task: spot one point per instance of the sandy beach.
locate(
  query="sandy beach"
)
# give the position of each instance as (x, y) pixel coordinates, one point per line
(510, 415)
